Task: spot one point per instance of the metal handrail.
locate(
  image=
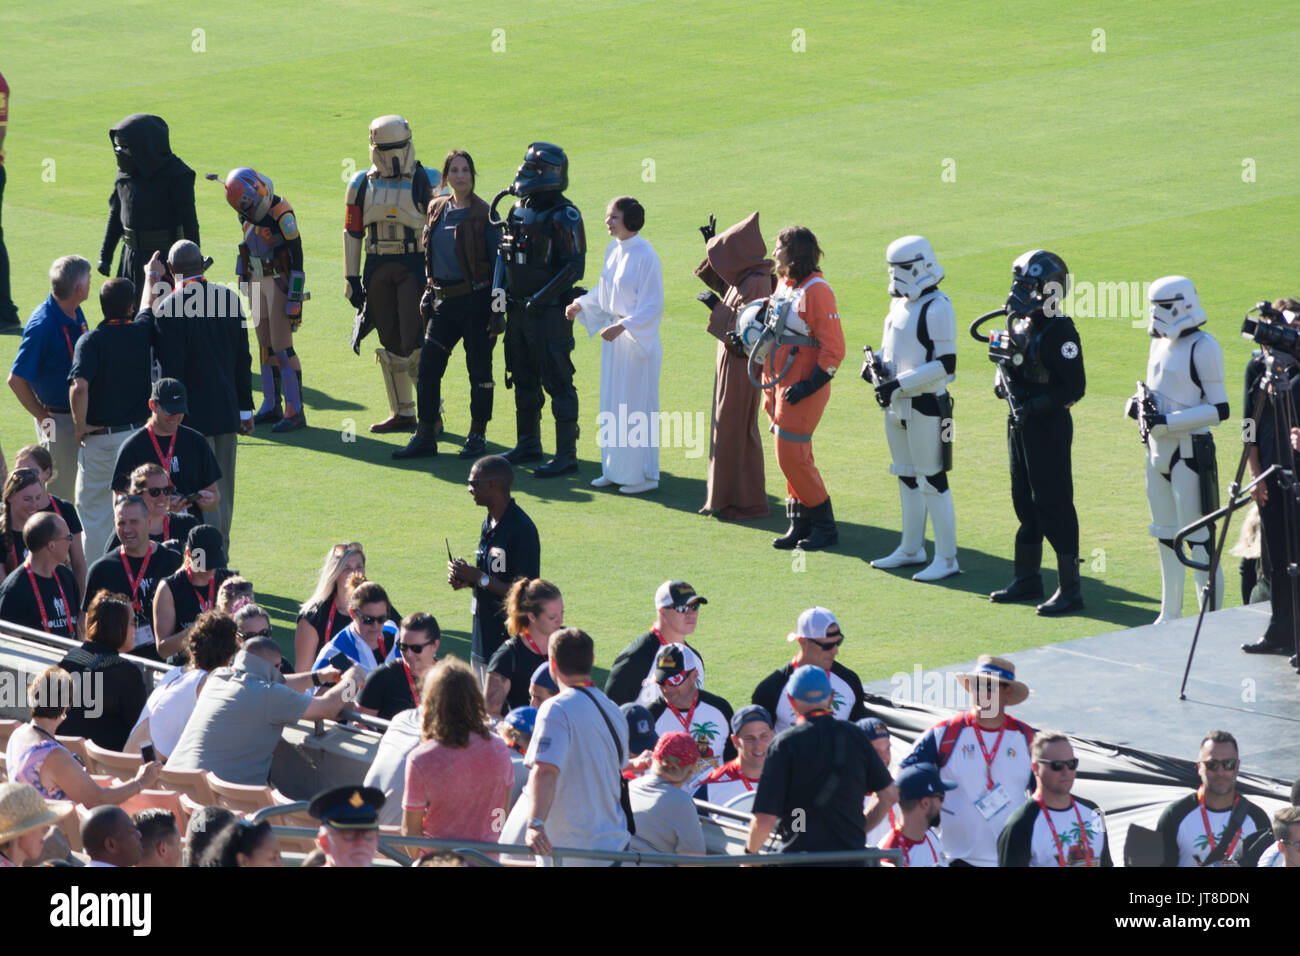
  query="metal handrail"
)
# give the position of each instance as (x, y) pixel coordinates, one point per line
(561, 853)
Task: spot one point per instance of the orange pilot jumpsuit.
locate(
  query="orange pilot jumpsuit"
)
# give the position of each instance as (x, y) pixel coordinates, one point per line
(793, 425)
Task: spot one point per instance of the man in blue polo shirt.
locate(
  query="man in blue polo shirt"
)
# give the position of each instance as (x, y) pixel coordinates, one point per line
(39, 376)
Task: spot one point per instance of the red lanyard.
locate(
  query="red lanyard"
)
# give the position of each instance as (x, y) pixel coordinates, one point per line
(1205, 819)
(410, 680)
(740, 774)
(902, 842)
(40, 605)
(164, 460)
(988, 758)
(54, 506)
(684, 721)
(659, 637)
(137, 581)
(81, 330)
(528, 639)
(329, 623)
(1083, 833)
(212, 590)
(167, 523)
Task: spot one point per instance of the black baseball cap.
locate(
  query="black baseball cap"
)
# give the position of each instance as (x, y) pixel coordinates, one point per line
(171, 396)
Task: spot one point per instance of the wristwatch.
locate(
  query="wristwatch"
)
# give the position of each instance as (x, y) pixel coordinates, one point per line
(536, 823)
(315, 678)
(483, 582)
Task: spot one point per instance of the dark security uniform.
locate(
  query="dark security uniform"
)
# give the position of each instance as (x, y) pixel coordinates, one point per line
(821, 768)
(152, 204)
(1042, 489)
(459, 249)
(1273, 446)
(507, 551)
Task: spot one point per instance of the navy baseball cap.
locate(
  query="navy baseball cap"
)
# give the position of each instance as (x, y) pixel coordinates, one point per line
(171, 396)
(810, 685)
(921, 780)
(542, 678)
(748, 714)
(874, 728)
(640, 727)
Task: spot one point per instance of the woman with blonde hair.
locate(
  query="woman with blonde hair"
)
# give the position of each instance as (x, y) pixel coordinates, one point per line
(325, 613)
(458, 781)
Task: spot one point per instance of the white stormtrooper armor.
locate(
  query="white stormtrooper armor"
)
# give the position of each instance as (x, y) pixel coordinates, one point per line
(1185, 375)
(920, 330)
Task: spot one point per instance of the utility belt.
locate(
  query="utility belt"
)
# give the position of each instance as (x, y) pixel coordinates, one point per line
(445, 292)
(149, 239)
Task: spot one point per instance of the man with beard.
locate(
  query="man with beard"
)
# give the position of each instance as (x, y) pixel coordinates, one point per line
(920, 801)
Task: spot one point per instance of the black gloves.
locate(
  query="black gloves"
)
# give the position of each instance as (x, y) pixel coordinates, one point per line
(800, 390)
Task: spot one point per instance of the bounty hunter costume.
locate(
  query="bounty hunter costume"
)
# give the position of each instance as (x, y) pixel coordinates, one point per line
(270, 267)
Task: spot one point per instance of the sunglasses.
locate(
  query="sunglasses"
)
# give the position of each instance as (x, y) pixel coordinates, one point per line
(247, 634)
(367, 619)
(1059, 765)
(349, 546)
(1214, 765)
(167, 490)
(122, 499)
(830, 645)
(413, 648)
(686, 608)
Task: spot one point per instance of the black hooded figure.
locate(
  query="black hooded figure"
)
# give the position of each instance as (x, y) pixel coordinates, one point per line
(152, 204)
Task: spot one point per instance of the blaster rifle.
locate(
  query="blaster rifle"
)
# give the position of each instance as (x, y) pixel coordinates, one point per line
(874, 372)
(1146, 409)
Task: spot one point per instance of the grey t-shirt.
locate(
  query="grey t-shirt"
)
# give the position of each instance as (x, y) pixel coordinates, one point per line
(388, 770)
(237, 721)
(586, 812)
(666, 821)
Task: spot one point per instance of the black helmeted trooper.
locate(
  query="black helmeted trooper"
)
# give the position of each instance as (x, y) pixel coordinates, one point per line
(543, 252)
(1186, 398)
(152, 205)
(1040, 373)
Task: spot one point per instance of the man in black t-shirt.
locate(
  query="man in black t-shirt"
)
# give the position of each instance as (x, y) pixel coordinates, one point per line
(42, 593)
(816, 776)
(111, 381)
(508, 548)
(135, 568)
(182, 452)
(677, 612)
(395, 686)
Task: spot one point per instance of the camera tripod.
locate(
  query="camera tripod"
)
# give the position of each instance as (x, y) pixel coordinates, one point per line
(1274, 389)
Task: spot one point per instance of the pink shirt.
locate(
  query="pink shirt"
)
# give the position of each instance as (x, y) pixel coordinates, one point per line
(463, 792)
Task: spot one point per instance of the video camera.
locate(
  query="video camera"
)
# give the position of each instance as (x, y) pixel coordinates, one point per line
(1272, 329)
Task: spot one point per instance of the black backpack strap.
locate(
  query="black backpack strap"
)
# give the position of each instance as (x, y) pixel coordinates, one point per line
(624, 797)
(618, 749)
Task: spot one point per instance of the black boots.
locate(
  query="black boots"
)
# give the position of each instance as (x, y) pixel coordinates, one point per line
(528, 428)
(1028, 583)
(799, 525)
(822, 532)
(565, 461)
(1069, 596)
(423, 444)
(475, 442)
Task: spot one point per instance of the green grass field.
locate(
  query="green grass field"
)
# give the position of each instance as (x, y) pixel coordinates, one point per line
(1157, 146)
